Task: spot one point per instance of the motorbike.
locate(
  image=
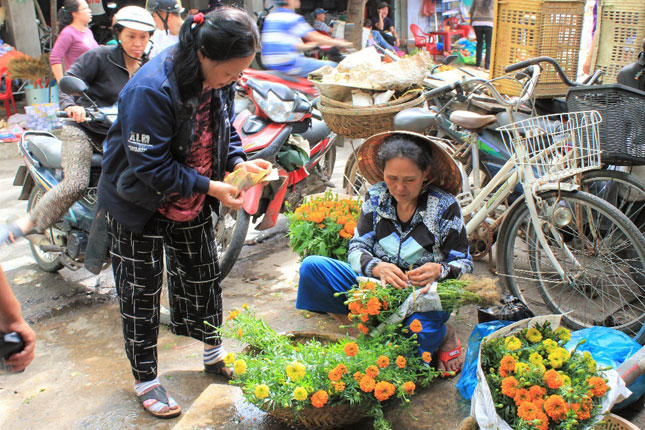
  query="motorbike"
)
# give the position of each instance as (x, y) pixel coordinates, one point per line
(63, 244)
(277, 114)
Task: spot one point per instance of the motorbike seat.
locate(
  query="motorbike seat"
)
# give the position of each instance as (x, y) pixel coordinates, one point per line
(471, 120)
(415, 119)
(46, 148)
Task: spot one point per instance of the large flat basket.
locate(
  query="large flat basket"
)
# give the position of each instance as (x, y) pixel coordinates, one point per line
(555, 147)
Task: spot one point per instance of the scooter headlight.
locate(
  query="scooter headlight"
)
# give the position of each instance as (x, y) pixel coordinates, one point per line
(278, 110)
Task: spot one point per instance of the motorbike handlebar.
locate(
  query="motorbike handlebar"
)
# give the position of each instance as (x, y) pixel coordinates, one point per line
(61, 114)
(441, 90)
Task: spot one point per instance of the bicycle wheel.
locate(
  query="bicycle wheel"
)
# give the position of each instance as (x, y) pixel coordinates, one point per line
(605, 288)
(354, 183)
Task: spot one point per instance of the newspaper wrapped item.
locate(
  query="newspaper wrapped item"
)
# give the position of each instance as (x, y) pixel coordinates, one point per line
(243, 179)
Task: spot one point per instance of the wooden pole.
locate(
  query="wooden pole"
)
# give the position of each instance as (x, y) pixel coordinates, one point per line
(355, 12)
(53, 17)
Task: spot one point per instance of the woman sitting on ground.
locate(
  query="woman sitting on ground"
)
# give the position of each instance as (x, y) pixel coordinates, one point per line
(410, 232)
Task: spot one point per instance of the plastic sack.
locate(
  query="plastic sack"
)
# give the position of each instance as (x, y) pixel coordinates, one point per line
(468, 379)
(610, 347)
(294, 154)
(511, 309)
(482, 407)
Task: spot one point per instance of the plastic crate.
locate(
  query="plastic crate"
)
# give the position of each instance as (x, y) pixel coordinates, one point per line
(621, 29)
(622, 130)
(530, 28)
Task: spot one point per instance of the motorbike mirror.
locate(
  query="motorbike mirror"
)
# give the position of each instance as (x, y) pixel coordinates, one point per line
(72, 86)
(449, 59)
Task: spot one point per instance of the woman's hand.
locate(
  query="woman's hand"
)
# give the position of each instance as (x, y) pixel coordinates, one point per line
(425, 275)
(254, 166)
(390, 273)
(227, 194)
(20, 360)
(76, 112)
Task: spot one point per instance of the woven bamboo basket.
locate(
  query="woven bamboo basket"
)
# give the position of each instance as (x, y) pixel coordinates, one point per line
(361, 122)
(404, 98)
(614, 422)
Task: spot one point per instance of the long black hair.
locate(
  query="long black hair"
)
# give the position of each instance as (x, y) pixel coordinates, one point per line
(403, 146)
(65, 16)
(224, 34)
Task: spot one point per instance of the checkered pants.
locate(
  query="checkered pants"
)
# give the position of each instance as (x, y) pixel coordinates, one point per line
(193, 276)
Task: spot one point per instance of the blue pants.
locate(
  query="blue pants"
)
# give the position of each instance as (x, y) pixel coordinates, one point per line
(322, 277)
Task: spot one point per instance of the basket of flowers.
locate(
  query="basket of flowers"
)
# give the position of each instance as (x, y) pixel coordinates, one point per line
(530, 377)
(323, 225)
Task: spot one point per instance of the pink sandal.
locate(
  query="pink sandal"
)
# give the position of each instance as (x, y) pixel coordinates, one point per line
(446, 356)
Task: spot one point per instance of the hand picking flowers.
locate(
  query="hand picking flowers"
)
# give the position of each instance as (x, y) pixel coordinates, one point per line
(276, 373)
(323, 226)
(536, 384)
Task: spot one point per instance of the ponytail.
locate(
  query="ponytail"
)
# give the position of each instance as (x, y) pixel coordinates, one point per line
(65, 16)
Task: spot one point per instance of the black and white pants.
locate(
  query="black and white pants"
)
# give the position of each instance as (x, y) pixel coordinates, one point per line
(194, 290)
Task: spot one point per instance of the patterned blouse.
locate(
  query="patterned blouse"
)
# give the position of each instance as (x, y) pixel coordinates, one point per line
(435, 234)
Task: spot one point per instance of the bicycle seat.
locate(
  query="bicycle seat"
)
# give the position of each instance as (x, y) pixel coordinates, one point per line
(471, 120)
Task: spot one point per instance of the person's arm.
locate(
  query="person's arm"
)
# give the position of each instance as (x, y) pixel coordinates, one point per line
(56, 56)
(57, 70)
(11, 320)
(321, 39)
(86, 68)
(378, 22)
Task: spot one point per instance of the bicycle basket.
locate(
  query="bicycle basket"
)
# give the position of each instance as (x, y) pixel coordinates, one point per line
(555, 147)
(622, 132)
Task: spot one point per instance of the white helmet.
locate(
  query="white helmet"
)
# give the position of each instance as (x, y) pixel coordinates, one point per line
(135, 18)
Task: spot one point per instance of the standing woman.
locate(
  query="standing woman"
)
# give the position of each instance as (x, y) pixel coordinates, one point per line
(481, 19)
(163, 166)
(75, 38)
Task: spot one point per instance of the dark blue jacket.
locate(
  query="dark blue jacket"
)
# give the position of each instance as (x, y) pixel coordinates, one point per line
(146, 148)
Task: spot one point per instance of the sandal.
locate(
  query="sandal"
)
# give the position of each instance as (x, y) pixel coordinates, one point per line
(219, 368)
(159, 395)
(446, 356)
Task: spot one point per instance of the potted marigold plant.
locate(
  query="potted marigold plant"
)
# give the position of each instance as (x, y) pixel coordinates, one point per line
(323, 225)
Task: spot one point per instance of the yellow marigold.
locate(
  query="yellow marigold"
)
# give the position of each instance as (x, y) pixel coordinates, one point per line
(245, 306)
(334, 375)
(233, 314)
(296, 371)
(556, 408)
(509, 386)
(563, 334)
(373, 306)
(521, 396)
(351, 349)
(229, 358)
(367, 384)
(537, 392)
(383, 361)
(409, 387)
(300, 394)
(239, 367)
(261, 391)
(319, 399)
(339, 387)
(566, 381)
(527, 411)
(535, 358)
(598, 386)
(426, 357)
(372, 371)
(358, 376)
(549, 345)
(553, 379)
(533, 335)
(400, 361)
(521, 368)
(383, 390)
(415, 326)
(512, 343)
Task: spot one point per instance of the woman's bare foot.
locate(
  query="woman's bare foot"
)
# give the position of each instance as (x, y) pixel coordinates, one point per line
(450, 345)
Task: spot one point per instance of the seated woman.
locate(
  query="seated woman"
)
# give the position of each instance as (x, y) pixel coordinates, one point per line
(410, 232)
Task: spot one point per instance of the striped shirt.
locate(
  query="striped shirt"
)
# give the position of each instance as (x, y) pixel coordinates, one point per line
(282, 31)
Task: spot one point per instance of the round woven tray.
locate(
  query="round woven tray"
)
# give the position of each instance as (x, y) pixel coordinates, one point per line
(361, 122)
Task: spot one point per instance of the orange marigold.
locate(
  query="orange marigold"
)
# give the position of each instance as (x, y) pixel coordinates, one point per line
(351, 349)
(527, 411)
(319, 399)
(372, 371)
(598, 386)
(409, 387)
(400, 361)
(358, 376)
(521, 396)
(339, 387)
(334, 375)
(426, 357)
(543, 423)
(582, 411)
(369, 286)
(349, 227)
(373, 306)
(367, 384)
(342, 368)
(385, 305)
(383, 361)
(365, 317)
(345, 235)
(383, 390)
(507, 364)
(536, 392)
(316, 217)
(363, 328)
(509, 386)
(556, 407)
(415, 326)
(553, 379)
(354, 307)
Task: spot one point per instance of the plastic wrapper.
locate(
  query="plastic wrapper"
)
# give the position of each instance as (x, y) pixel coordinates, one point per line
(243, 179)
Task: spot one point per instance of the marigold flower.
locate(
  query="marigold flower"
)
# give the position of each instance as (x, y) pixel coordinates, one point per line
(400, 361)
(556, 407)
(553, 379)
(342, 368)
(409, 387)
(582, 411)
(533, 335)
(535, 358)
(383, 390)
(239, 367)
(536, 392)
(319, 399)
(372, 371)
(426, 357)
(339, 387)
(363, 328)
(549, 345)
(521, 396)
(385, 305)
(239, 332)
(245, 306)
(357, 376)
(383, 361)
(365, 317)
(598, 386)
(351, 349)
(527, 411)
(563, 334)
(229, 358)
(334, 375)
(345, 235)
(296, 371)
(261, 391)
(367, 384)
(373, 306)
(233, 314)
(512, 343)
(543, 420)
(509, 386)
(316, 217)
(349, 227)
(415, 326)
(300, 394)
(369, 286)
(507, 364)
(521, 368)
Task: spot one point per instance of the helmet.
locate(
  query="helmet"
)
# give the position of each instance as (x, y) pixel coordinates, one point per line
(170, 6)
(135, 18)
